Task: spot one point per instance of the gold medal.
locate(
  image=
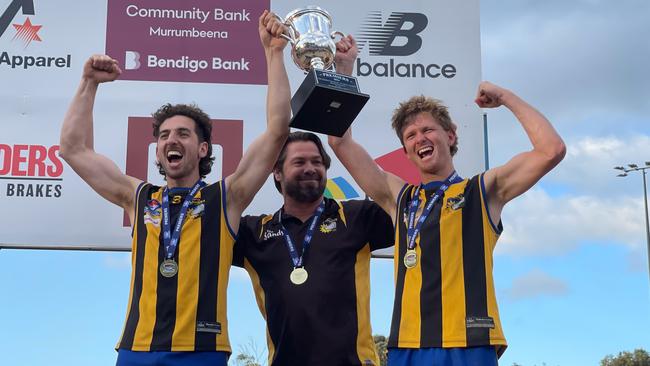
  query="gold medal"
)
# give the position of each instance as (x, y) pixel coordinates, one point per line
(410, 258)
(169, 268)
(298, 276)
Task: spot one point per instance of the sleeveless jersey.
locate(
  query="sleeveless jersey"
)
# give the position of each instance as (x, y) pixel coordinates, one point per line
(448, 299)
(186, 312)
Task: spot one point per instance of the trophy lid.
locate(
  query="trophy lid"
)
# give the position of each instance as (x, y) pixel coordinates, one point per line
(308, 9)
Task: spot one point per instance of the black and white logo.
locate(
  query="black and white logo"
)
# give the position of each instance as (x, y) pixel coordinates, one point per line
(390, 41)
(384, 39)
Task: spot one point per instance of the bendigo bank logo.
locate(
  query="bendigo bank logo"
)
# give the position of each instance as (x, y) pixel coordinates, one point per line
(187, 41)
(400, 35)
(227, 138)
(31, 171)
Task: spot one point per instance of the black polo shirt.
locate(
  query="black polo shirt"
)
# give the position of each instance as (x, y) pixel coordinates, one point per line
(326, 320)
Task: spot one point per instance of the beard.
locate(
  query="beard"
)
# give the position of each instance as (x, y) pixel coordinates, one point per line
(305, 192)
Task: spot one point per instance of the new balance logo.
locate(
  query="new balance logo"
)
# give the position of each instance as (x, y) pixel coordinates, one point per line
(397, 37)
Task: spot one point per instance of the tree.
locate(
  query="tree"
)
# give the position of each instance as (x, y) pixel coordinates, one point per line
(250, 355)
(381, 344)
(637, 358)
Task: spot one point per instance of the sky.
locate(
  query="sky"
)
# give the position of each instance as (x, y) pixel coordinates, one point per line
(571, 268)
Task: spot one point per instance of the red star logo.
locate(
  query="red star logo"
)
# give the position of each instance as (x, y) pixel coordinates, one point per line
(27, 32)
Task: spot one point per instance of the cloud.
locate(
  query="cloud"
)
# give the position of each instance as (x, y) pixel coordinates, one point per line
(539, 224)
(536, 283)
(120, 261)
(572, 59)
(589, 164)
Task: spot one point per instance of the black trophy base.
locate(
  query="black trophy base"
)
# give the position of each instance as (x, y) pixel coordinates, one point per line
(327, 102)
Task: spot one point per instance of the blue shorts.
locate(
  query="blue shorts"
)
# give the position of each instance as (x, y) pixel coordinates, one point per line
(470, 356)
(211, 358)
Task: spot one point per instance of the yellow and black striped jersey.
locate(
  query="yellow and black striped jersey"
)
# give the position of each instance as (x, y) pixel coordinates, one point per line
(447, 300)
(186, 312)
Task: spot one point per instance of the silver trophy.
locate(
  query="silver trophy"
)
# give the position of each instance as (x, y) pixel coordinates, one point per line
(326, 101)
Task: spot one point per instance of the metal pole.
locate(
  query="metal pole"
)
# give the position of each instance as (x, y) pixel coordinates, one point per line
(486, 152)
(647, 225)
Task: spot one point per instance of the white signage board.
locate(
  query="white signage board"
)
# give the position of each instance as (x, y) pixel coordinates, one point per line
(205, 52)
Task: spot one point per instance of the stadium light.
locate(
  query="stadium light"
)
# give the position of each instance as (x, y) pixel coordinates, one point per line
(635, 168)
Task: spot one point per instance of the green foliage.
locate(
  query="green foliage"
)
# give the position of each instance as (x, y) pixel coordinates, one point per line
(381, 344)
(637, 358)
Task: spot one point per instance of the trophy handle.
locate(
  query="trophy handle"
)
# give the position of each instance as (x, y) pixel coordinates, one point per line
(289, 26)
(337, 33)
(333, 35)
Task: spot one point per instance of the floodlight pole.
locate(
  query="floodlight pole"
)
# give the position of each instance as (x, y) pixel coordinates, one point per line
(647, 225)
(632, 168)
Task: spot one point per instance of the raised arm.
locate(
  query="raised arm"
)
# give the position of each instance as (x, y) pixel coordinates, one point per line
(257, 163)
(77, 138)
(381, 186)
(508, 181)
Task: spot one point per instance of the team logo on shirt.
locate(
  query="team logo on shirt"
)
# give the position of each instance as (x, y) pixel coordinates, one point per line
(153, 213)
(196, 208)
(328, 226)
(455, 203)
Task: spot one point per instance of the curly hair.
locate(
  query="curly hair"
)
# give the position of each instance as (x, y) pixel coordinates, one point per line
(408, 110)
(202, 127)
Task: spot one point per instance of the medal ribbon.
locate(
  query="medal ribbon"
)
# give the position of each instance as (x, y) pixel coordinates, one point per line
(171, 239)
(412, 231)
(297, 260)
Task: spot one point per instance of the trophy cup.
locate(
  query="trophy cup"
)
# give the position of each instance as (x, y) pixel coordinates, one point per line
(325, 102)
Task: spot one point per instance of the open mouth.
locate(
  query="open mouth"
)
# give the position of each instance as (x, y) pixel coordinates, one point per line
(425, 151)
(174, 156)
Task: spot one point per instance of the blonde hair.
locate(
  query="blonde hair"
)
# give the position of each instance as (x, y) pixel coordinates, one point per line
(406, 112)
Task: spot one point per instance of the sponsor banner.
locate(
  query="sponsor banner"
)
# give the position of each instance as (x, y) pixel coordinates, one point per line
(30, 171)
(207, 41)
(208, 53)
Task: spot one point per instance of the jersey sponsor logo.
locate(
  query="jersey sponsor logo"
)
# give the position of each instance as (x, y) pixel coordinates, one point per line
(153, 213)
(456, 203)
(479, 322)
(177, 199)
(269, 234)
(388, 42)
(208, 327)
(328, 226)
